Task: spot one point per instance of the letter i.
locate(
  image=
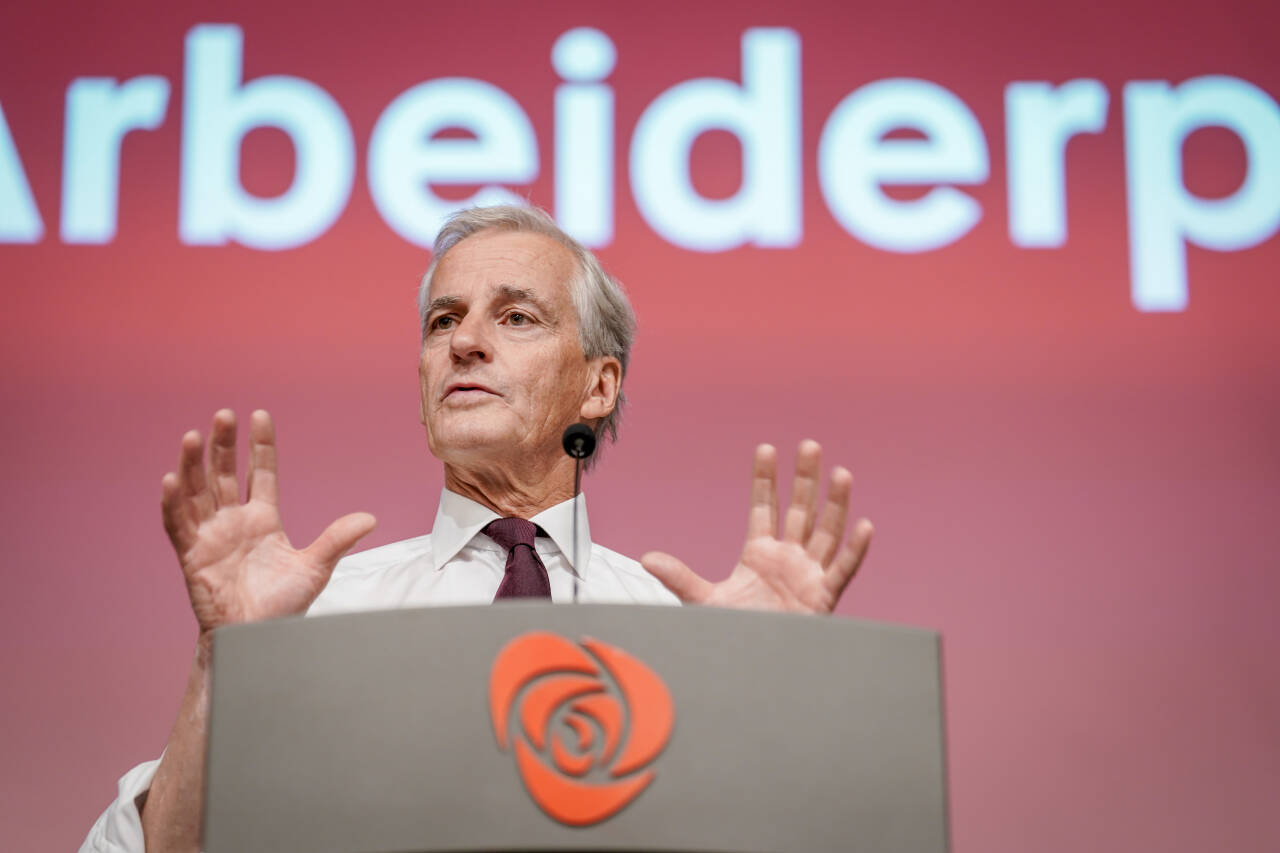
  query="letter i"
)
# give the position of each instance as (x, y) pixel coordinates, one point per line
(584, 135)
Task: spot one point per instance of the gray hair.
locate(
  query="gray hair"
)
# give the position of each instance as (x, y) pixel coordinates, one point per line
(606, 323)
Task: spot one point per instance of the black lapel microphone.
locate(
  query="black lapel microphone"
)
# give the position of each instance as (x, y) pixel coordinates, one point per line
(579, 441)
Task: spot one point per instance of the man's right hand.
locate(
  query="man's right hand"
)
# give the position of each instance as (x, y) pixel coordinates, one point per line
(237, 562)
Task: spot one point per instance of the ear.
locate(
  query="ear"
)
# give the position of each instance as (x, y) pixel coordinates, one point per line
(604, 382)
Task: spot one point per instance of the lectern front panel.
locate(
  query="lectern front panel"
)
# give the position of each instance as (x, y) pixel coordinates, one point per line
(592, 727)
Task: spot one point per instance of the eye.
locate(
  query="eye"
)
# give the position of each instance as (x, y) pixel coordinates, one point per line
(516, 318)
(444, 322)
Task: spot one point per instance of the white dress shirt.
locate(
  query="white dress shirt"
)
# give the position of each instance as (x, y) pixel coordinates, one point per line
(454, 564)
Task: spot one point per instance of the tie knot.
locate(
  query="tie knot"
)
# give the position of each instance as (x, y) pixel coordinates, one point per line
(510, 532)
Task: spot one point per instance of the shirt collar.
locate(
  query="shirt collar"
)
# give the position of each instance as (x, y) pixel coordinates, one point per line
(459, 519)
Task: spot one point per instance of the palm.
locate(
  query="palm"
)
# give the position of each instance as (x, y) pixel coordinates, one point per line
(805, 569)
(773, 575)
(238, 564)
(242, 568)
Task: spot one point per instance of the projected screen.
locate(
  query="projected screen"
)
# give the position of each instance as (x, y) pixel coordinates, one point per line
(1013, 265)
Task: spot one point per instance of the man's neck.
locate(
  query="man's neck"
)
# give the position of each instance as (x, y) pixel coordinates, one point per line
(519, 494)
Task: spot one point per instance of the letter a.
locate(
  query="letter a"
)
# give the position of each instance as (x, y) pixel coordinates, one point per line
(19, 219)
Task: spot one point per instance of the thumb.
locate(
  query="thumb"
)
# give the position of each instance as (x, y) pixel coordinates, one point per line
(338, 538)
(677, 577)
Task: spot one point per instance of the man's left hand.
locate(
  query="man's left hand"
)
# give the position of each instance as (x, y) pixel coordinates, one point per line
(806, 569)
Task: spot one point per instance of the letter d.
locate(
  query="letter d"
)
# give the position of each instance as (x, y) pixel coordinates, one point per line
(218, 112)
(764, 113)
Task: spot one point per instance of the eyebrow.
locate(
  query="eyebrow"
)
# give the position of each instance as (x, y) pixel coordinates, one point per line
(508, 292)
(442, 302)
(521, 294)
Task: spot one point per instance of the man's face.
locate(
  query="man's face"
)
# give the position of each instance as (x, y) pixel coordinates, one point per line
(502, 371)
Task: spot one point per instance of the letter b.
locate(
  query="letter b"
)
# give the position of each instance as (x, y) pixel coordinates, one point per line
(217, 113)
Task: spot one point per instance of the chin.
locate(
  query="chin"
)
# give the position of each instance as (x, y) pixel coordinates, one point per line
(468, 437)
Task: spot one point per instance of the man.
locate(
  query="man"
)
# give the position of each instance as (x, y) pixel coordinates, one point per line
(522, 335)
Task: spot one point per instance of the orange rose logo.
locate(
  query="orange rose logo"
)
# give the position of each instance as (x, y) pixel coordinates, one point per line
(585, 722)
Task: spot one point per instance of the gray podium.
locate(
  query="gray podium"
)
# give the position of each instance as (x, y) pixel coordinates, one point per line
(592, 727)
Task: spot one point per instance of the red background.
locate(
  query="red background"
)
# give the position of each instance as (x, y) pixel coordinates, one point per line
(1072, 491)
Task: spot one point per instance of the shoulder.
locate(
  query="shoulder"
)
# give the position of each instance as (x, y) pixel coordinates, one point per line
(375, 579)
(384, 557)
(638, 585)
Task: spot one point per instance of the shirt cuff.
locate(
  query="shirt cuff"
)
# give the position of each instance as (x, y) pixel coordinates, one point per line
(119, 828)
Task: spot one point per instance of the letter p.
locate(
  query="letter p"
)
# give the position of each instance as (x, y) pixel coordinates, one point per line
(1163, 216)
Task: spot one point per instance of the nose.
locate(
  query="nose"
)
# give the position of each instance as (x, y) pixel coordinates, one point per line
(470, 340)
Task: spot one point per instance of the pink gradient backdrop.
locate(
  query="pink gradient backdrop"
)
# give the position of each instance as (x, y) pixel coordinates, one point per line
(1073, 492)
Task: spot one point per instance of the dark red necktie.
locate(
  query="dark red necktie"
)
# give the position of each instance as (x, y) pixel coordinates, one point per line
(526, 577)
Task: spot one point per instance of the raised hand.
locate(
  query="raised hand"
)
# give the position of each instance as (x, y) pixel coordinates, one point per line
(237, 561)
(806, 569)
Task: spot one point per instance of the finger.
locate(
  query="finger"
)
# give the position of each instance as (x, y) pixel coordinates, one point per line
(191, 480)
(338, 538)
(222, 458)
(677, 577)
(849, 559)
(262, 458)
(762, 519)
(173, 512)
(830, 530)
(798, 523)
